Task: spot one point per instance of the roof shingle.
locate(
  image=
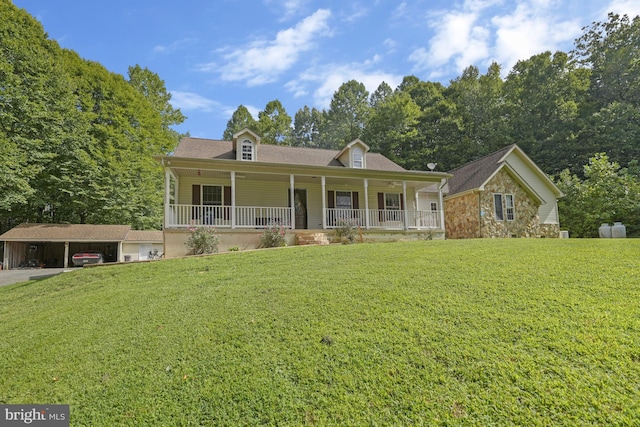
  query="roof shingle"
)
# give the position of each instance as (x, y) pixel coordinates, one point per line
(474, 174)
(197, 148)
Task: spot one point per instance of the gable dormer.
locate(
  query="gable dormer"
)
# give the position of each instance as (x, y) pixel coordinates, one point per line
(245, 145)
(354, 155)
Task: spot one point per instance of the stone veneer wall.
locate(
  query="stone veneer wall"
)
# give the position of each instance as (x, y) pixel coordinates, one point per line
(461, 217)
(549, 230)
(527, 221)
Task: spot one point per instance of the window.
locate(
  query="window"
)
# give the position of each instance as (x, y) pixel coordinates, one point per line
(212, 195)
(434, 207)
(510, 211)
(358, 157)
(247, 150)
(343, 199)
(497, 207)
(392, 201)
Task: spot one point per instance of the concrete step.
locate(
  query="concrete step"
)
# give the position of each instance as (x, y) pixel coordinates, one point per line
(312, 239)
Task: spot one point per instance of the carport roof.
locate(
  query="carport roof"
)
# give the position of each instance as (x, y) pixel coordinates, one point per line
(66, 233)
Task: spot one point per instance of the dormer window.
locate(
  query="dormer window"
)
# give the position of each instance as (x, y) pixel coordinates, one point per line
(247, 150)
(358, 157)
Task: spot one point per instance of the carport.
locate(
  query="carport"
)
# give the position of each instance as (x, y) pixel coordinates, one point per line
(52, 245)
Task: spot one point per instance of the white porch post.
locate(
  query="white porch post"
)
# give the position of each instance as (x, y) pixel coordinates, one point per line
(167, 197)
(366, 203)
(404, 202)
(324, 202)
(441, 203)
(120, 255)
(293, 201)
(65, 264)
(233, 199)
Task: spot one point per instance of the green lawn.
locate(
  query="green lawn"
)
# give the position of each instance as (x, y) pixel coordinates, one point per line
(479, 332)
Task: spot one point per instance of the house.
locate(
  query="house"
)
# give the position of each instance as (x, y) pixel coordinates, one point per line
(503, 194)
(241, 187)
(52, 245)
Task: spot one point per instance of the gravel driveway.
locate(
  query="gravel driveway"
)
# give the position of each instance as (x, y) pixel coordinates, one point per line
(9, 277)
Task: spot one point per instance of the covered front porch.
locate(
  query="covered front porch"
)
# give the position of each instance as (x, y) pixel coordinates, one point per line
(241, 199)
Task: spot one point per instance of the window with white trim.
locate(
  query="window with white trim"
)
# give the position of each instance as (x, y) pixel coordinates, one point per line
(434, 206)
(343, 200)
(392, 201)
(509, 207)
(358, 157)
(497, 207)
(212, 195)
(247, 150)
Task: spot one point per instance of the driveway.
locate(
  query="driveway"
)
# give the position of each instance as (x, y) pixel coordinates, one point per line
(9, 277)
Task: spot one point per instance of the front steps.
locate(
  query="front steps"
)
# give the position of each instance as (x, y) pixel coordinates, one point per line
(312, 238)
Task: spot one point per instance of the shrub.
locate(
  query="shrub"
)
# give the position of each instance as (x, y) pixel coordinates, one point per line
(347, 230)
(273, 236)
(203, 240)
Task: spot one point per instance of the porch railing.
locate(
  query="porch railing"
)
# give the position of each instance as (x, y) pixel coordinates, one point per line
(383, 218)
(220, 216)
(262, 217)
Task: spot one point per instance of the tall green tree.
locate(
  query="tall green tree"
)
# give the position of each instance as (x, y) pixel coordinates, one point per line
(347, 115)
(153, 88)
(274, 124)
(80, 140)
(544, 97)
(479, 102)
(391, 129)
(240, 119)
(306, 127)
(610, 51)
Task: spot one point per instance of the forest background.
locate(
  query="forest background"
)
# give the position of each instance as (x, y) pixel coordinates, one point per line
(77, 142)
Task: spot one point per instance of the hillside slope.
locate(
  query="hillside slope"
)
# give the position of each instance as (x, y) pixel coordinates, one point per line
(515, 331)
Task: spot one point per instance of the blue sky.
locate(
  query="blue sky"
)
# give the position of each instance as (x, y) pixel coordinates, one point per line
(217, 54)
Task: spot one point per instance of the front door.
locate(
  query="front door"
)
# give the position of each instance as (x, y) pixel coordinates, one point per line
(300, 205)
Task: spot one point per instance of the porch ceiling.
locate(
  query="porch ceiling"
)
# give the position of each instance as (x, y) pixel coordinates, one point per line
(303, 179)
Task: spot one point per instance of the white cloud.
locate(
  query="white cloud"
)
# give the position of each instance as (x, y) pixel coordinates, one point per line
(328, 78)
(290, 7)
(178, 44)
(531, 29)
(622, 7)
(189, 101)
(478, 32)
(263, 61)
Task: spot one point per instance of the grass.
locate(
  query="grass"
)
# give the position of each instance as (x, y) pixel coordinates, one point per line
(481, 332)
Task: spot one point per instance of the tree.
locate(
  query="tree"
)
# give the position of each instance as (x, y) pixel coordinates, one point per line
(380, 94)
(607, 194)
(544, 100)
(152, 87)
(479, 102)
(610, 51)
(79, 141)
(274, 124)
(306, 127)
(240, 119)
(391, 129)
(347, 115)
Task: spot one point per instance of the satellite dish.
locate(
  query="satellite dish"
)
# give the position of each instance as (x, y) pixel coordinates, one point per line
(432, 166)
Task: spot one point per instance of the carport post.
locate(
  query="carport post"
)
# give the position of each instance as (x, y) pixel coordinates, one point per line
(5, 261)
(66, 255)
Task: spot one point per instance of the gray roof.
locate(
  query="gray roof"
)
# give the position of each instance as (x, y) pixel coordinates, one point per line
(67, 232)
(34, 232)
(474, 174)
(198, 148)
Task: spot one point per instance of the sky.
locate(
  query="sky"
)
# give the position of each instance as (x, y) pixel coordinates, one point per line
(215, 55)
